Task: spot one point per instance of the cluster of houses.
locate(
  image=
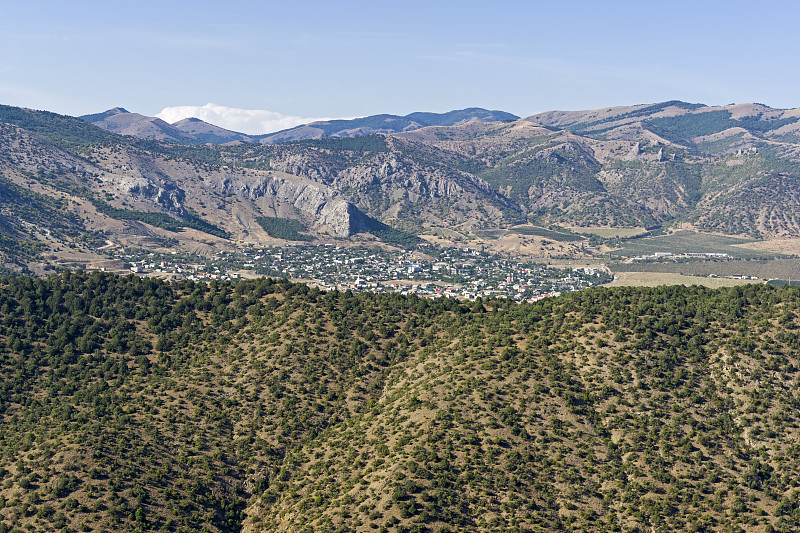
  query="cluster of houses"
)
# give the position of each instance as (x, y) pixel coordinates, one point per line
(461, 273)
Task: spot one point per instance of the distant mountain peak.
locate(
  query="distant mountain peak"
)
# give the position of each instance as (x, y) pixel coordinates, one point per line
(99, 117)
(192, 130)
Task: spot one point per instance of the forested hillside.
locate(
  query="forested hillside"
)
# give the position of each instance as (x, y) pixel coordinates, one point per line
(133, 404)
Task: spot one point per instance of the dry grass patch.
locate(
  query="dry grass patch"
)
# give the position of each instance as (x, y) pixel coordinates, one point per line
(654, 279)
(789, 245)
(610, 233)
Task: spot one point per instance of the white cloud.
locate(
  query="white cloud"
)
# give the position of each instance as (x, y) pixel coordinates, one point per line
(250, 121)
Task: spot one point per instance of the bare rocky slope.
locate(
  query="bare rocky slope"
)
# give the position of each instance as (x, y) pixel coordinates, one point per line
(728, 169)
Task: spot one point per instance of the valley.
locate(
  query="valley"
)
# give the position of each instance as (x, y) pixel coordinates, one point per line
(432, 323)
(399, 267)
(598, 186)
(452, 272)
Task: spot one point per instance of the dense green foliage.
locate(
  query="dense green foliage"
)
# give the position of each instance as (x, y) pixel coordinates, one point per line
(390, 235)
(20, 248)
(561, 166)
(132, 404)
(684, 127)
(283, 228)
(753, 195)
(159, 220)
(191, 220)
(203, 154)
(365, 143)
(596, 127)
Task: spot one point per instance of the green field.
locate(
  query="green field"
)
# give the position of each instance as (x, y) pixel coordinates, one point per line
(491, 233)
(447, 233)
(689, 242)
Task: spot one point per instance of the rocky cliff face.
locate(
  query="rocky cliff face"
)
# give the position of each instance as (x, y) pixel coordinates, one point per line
(170, 184)
(322, 206)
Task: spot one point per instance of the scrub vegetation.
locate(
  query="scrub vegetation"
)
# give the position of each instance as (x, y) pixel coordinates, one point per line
(131, 404)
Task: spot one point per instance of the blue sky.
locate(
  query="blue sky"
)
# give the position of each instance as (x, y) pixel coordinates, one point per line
(310, 59)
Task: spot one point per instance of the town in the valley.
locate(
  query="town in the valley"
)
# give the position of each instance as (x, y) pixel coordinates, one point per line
(458, 272)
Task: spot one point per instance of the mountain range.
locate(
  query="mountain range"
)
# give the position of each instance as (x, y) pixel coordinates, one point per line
(731, 170)
(196, 131)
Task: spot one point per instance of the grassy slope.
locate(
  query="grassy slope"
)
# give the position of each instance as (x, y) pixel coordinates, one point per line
(131, 404)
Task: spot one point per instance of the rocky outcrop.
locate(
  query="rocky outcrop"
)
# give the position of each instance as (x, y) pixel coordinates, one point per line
(342, 217)
(321, 205)
(151, 183)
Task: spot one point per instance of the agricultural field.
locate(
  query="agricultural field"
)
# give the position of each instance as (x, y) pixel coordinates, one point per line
(546, 233)
(786, 245)
(654, 279)
(690, 242)
(782, 268)
(611, 233)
